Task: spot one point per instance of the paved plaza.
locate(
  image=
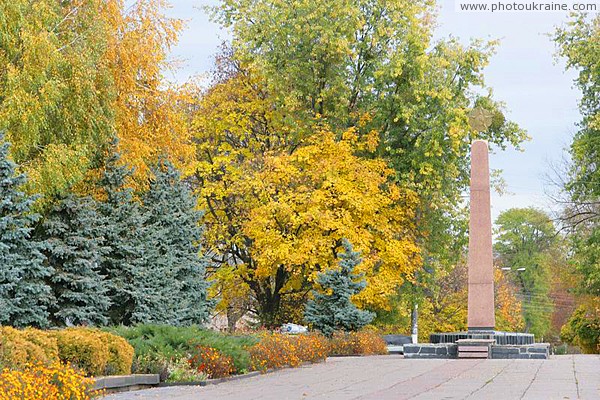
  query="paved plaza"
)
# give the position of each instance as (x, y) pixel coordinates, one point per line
(392, 377)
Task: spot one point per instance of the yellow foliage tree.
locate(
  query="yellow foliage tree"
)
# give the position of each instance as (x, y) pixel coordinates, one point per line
(74, 74)
(151, 117)
(55, 90)
(444, 305)
(509, 312)
(277, 209)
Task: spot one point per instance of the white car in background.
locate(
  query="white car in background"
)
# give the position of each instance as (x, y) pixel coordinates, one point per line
(293, 328)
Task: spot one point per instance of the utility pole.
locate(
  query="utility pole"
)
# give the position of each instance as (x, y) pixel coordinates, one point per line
(415, 327)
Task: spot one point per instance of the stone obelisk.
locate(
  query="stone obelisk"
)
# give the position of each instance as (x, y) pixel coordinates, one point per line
(480, 261)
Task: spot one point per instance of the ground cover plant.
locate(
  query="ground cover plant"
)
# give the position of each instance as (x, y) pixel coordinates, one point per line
(159, 348)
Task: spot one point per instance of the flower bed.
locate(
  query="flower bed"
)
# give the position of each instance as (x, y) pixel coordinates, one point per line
(168, 351)
(211, 362)
(56, 381)
(357, 343)
(277, 351)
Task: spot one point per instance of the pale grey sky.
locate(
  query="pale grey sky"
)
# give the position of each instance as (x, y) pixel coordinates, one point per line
(538, 94)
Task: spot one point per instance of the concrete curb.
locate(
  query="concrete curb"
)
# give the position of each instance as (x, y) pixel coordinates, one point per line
(359, 355)
(118, 382)
(124, 383)
(211, 381)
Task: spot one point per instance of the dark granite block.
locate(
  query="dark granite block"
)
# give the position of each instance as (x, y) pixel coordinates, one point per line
(428, 350)
(505, 350)
(538, 356)
(538, 349)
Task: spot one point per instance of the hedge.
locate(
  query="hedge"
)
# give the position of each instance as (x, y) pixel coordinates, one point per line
(92, 351)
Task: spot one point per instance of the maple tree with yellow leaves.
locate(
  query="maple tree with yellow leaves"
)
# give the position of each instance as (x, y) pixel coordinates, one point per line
(276, 213)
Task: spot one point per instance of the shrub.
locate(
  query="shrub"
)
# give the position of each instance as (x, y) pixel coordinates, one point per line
(56, 381)
(165, 343)
(277, 351)
(94, 351)
(151, 364)
(357, 343)
(84, 349)
(583, 329)
(21, 347)
(212, 362)
(120, 354)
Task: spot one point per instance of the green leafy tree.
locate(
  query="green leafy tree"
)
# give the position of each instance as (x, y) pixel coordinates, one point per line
(75, 247)
(579, 42)
(525, 237)
(372, 65)
(333, 309)
(56, 91)
(24, 294)
(133, 289)
(173, 254)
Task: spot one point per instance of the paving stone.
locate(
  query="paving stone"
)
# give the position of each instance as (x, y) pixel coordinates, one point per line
(395, 378)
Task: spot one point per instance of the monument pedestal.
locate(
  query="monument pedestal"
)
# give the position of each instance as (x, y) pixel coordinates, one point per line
(499, 345)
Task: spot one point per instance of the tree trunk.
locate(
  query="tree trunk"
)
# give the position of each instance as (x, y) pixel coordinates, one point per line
(268, 295)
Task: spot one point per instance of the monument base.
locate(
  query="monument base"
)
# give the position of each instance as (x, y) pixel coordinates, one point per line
(498, 345)
(499, 337)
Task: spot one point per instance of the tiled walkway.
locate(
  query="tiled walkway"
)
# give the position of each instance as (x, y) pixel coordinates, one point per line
(392, 377)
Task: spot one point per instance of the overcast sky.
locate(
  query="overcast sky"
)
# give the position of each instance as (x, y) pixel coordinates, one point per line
(524, 74)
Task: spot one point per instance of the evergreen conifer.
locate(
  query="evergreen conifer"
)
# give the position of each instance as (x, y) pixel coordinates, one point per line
(24, 294)
(75, 247)
(124, 234)
(174, 253)
(332, 309)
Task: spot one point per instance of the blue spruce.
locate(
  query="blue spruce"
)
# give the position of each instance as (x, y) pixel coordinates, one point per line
(332, 310)
(75, 247)
(174, 253)
(124, 234)
(24, 294)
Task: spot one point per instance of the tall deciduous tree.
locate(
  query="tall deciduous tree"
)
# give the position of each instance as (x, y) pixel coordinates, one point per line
(75, 73)
(579, 43)
(24, 294)
(276, 212)
(524, 242)
(75, 247)
(174, 256)
(332, 310)
(373, 64)
(56, 92)
(151, 115)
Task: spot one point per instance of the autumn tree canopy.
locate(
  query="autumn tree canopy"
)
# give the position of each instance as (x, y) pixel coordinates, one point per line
(75, 74)
(276, 213)
(372, 66)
